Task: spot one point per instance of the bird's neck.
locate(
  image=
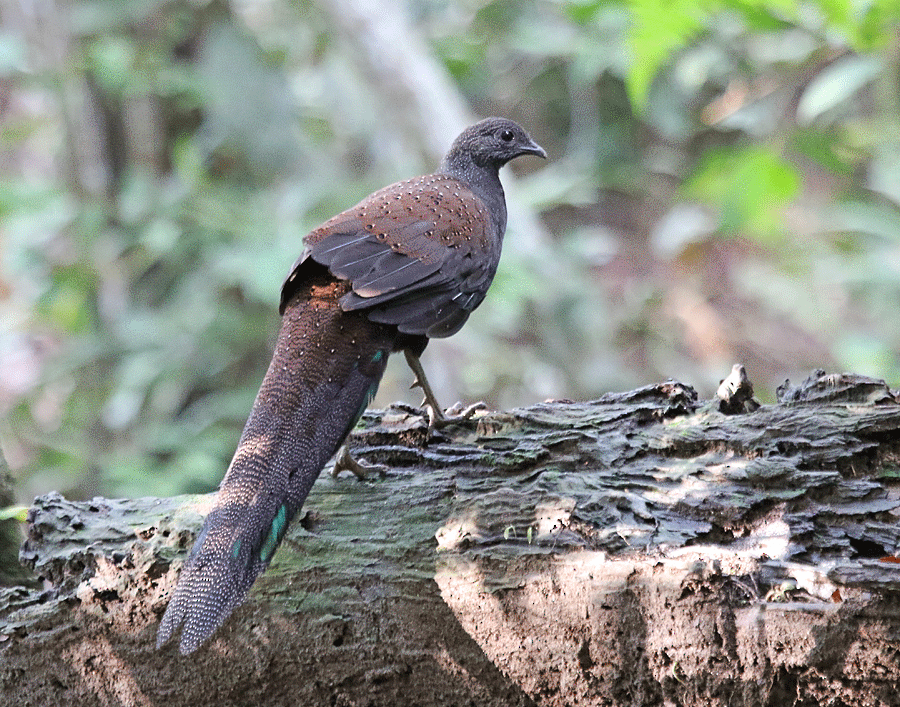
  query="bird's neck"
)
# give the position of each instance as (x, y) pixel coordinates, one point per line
(484, 181)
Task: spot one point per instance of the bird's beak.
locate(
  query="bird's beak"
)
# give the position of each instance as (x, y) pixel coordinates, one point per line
(532, 148)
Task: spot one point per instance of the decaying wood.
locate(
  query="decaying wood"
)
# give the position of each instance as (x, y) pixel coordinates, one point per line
(645, 548)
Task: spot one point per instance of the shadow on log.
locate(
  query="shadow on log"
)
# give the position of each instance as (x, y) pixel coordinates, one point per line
(641, 549)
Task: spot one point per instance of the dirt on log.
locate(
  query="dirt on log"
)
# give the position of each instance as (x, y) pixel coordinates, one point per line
(645, 548)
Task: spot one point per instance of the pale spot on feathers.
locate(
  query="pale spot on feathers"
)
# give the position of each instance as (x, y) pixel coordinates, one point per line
(206, 597)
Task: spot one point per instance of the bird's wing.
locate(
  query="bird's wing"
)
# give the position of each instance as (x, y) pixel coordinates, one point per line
(418, 255)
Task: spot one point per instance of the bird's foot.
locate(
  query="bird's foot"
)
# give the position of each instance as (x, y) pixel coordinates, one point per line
(438, 418)
(456, 413)
(361, 470)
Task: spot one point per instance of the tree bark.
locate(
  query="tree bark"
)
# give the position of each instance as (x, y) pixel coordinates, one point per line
(641, 549)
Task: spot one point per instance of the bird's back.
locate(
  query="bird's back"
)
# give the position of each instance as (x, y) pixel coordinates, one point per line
(419, 254)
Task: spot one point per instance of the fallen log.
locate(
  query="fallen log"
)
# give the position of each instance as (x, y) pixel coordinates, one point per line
(645, 548)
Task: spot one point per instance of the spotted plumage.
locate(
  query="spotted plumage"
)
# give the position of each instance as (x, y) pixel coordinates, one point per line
(409, 262)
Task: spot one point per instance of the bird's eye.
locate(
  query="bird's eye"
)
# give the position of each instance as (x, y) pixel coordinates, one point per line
(507, 135)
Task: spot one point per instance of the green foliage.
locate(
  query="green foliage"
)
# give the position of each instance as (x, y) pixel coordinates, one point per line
(724, 184)
(659, 29)
(19, 513)
(751, 185)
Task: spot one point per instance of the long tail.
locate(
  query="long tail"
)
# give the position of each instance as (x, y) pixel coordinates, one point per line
(326, 368)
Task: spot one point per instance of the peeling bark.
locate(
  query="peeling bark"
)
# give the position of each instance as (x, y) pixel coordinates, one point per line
(641, 549)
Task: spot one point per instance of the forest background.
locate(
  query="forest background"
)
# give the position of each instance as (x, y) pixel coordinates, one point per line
(723, 185)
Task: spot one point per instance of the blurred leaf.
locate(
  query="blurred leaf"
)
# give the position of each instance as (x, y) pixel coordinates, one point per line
(764, 15)
(879, 220)
(13, 54)
(752, 185)
(659, 29)
(112, 60)
(836, 84)
(682, 226)
(884, 174)
(865, 26)
(821, 147)
(19, 513)
(68, 304)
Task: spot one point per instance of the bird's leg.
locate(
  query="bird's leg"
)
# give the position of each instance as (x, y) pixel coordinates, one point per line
(422, 382)
(437, 418)
(346, 461)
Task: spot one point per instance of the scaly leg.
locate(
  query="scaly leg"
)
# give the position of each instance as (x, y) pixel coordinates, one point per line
(437, 418)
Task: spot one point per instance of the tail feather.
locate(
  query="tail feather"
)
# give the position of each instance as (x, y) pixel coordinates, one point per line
(325, 370)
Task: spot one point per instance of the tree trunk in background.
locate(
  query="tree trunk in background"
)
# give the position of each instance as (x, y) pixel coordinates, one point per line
(640, 549)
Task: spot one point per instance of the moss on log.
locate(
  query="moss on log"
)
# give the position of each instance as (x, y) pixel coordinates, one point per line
(645, 548)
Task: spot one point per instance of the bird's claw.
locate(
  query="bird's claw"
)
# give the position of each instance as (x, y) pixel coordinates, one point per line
(456, 413)
(361, 470)
(438, 418)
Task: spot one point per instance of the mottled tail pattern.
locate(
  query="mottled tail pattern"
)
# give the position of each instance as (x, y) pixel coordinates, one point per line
(326, 368)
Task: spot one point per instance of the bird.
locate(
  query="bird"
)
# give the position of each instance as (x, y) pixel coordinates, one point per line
(408, 263)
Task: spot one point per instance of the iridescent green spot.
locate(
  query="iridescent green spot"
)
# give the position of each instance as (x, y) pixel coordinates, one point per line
(378, 356)
(236, 548)
(275, 533)
(370, 395)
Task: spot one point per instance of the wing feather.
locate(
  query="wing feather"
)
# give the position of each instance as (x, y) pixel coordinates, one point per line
(417, 272)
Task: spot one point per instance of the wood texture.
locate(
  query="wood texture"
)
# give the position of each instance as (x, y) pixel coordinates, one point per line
(641, 549)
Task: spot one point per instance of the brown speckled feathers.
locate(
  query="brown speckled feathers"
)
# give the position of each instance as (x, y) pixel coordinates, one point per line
(407, 263)
(326, 366)
(420, 254)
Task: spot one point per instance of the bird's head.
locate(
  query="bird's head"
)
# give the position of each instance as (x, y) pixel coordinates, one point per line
(492, 142)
